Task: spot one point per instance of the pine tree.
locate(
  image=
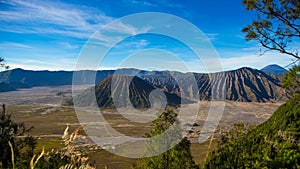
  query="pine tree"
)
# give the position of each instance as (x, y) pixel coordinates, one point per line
(177, 156)
(291, 80)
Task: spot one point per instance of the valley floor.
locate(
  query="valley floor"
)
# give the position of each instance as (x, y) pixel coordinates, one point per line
(40, 107)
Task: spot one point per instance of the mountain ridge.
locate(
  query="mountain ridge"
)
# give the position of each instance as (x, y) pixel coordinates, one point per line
(244, 84)
(139, 93)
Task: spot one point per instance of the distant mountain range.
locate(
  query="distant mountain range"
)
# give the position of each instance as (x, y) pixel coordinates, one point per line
(30, 78)
(4, 87)
(244, 84)
(274, 69)
(138, 92)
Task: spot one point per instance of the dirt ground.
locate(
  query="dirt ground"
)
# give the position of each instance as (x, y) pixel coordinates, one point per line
(41, 107)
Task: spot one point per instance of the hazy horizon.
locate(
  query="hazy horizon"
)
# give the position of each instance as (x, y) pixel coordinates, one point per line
(113, 69)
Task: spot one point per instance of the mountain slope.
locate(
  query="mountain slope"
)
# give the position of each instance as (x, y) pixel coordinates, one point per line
(247, 84)
(27, 78)
(244, 84)
(273, 144)
(274, 69)
(6, 87)
(139, 93)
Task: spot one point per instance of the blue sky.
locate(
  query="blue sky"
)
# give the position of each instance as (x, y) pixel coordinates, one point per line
(49, 35)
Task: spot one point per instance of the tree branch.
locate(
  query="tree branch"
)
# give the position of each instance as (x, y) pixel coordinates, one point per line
(285, 21)
(280, 47)
(278, 16)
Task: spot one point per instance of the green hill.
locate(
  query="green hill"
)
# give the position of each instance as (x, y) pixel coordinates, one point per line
(273, 144)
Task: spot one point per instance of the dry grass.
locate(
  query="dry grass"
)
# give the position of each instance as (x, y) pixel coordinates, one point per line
(44, 124)
(54, 123)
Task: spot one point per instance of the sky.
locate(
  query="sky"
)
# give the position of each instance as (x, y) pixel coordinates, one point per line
(56, 35)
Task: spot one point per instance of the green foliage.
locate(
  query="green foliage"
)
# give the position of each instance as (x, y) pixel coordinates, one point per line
(17, 151)
(177, 157)
(273, 144)
(291, 80)
(2, 64)
(276, 25)
(23, 148)
(239, 130)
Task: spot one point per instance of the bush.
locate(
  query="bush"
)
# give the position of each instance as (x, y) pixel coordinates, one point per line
(17, 150)
(22, 146)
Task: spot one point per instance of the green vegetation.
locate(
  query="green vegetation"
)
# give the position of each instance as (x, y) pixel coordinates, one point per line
(273, 144)
(178, 156)
(291, 80)
(21, 149)
(276, 25)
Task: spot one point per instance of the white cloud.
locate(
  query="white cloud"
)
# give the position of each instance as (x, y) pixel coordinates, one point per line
(145, 3)
(48, 17)
(132, 45)
(161, 63)
(256, 61)
(30, 64)
(225, 64)
(24, 16)
(212, 36)
(161, 3)
(115, 32)
(120, 27)
(242, 60)
(67, 45)
(15, 45)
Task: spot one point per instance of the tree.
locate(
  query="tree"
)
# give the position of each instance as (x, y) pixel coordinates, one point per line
(276, 26)
(2, 64)
(23, 148)
(291, 80)
(177, 157)
(272, 144)
(18, 152)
